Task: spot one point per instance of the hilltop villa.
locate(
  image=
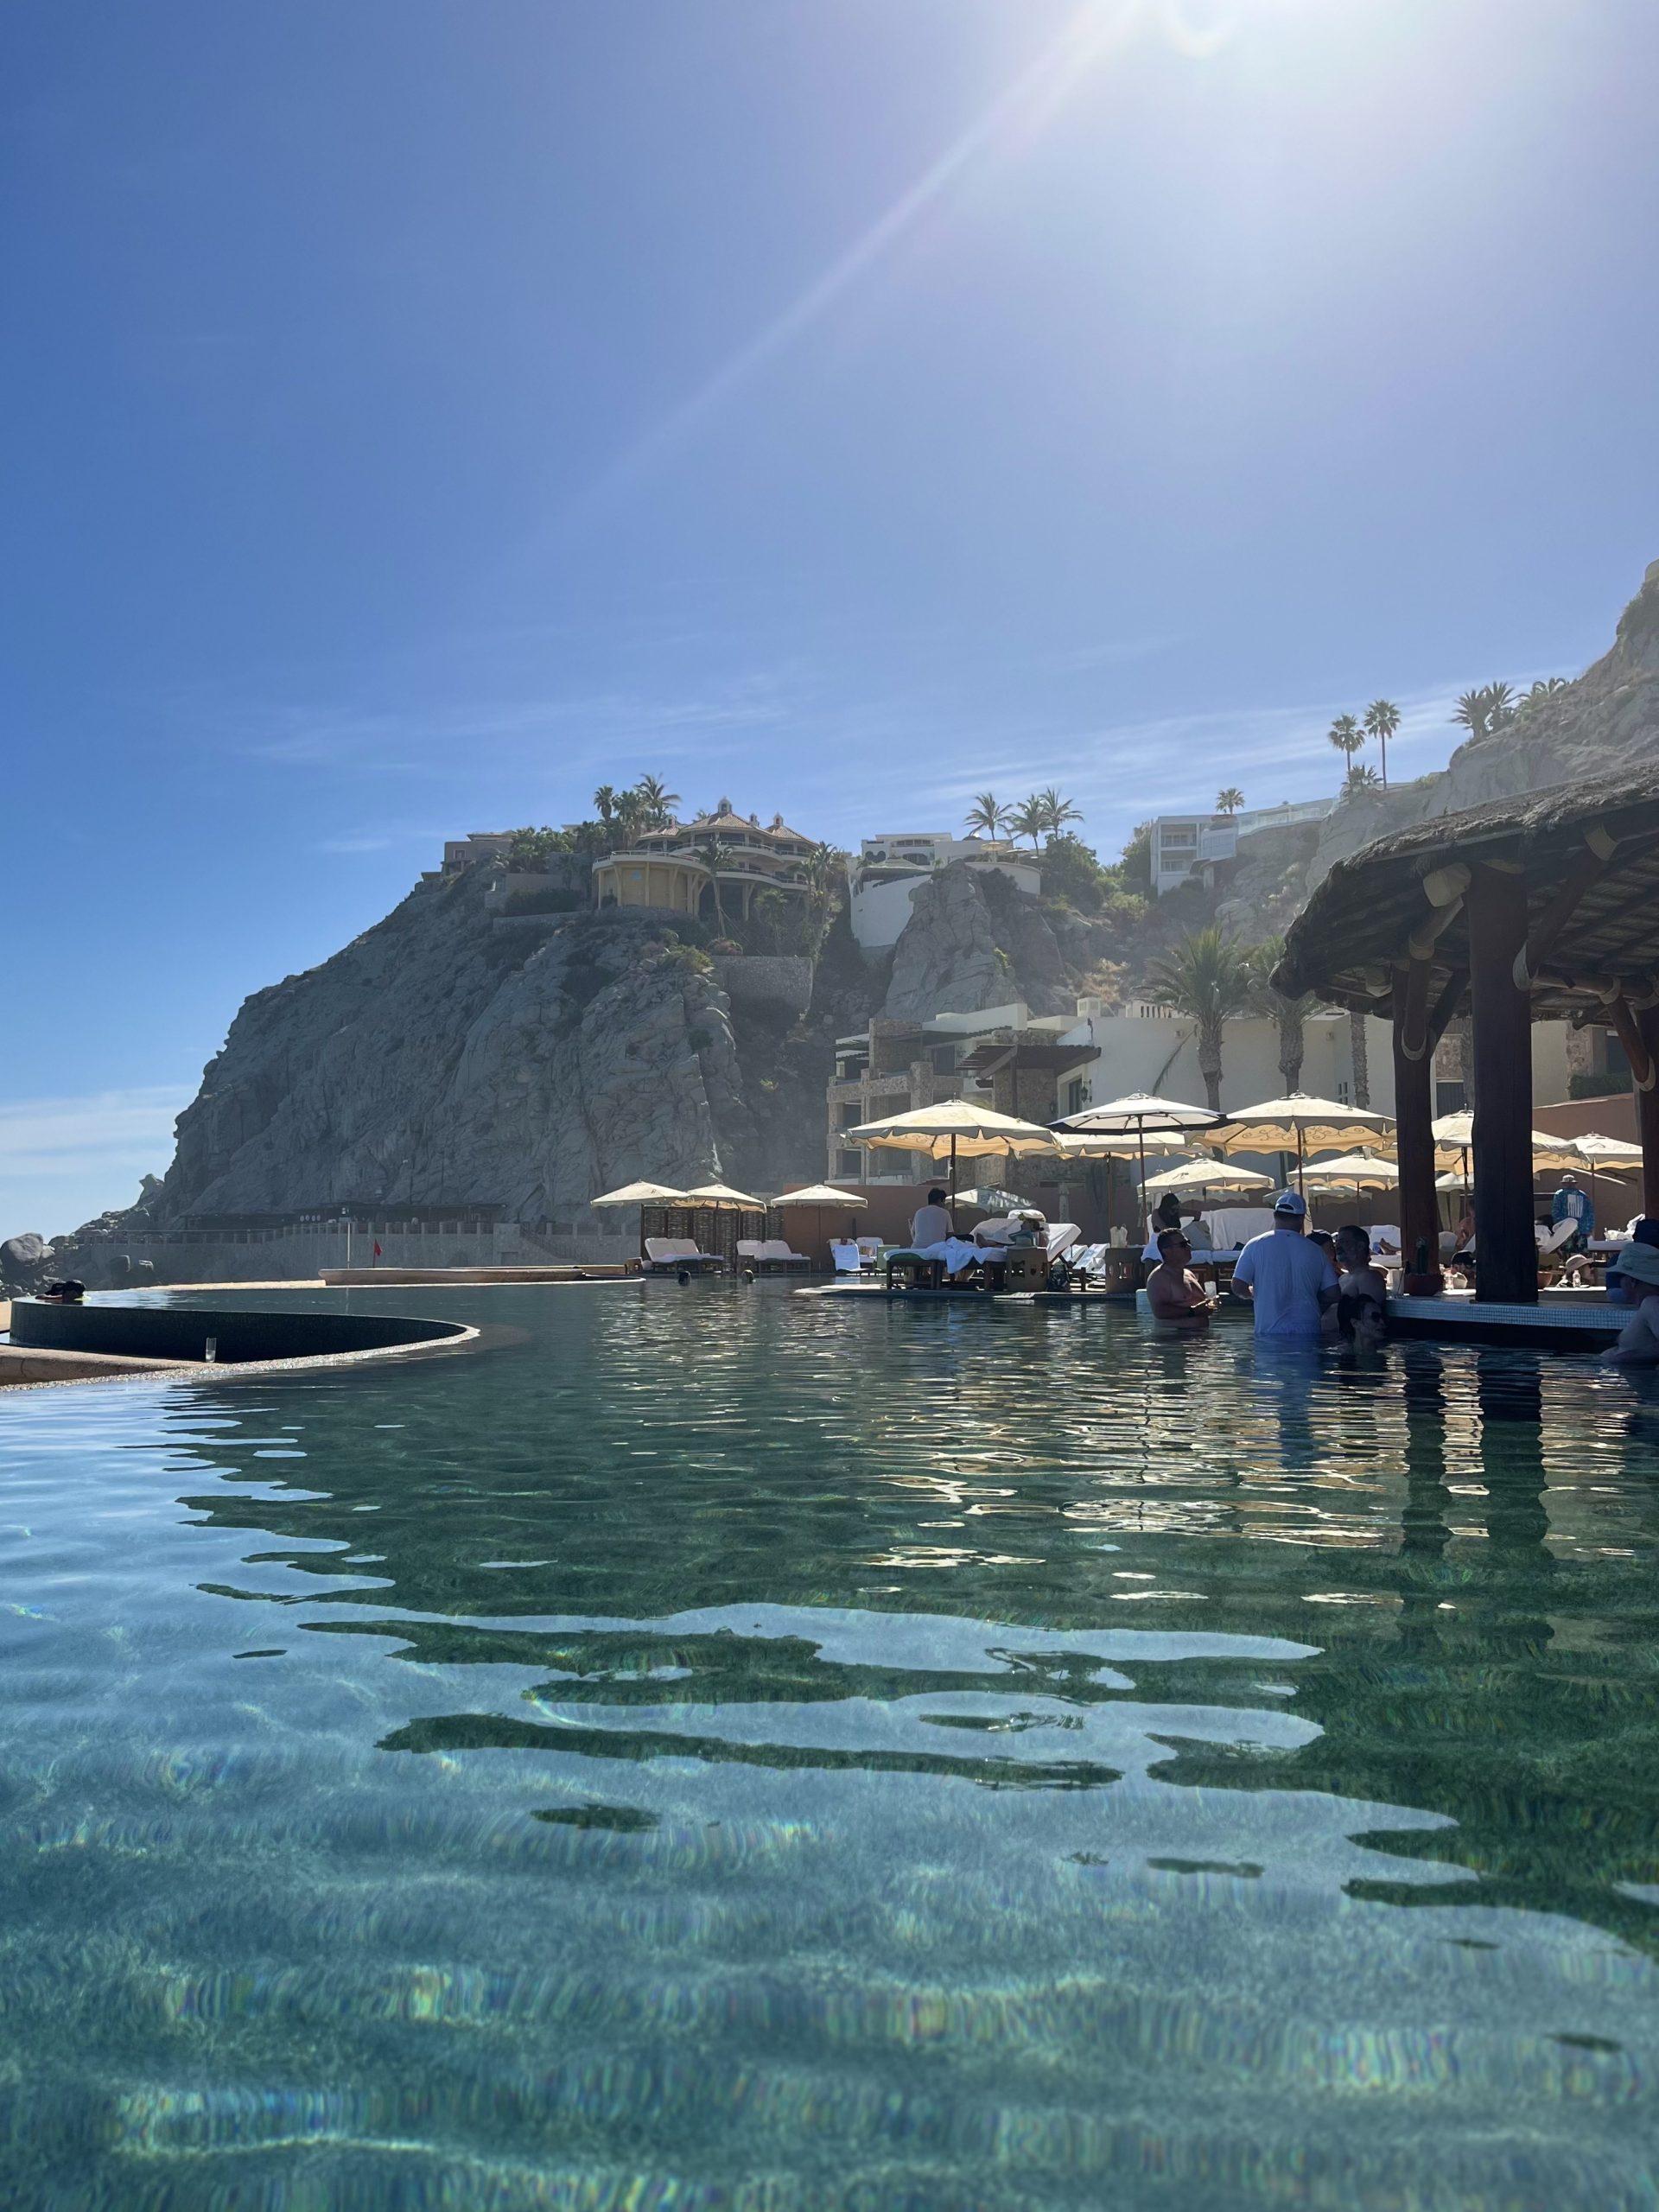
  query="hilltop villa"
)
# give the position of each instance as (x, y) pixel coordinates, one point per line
(669, 867)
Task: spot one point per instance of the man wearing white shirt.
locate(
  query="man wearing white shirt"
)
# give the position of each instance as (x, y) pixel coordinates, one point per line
(1289, 1281)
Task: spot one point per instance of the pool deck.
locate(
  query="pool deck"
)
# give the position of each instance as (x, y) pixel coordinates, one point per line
(949, 1297)
(1569, 1321)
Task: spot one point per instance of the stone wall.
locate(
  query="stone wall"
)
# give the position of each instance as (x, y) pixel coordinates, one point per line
(780, 980)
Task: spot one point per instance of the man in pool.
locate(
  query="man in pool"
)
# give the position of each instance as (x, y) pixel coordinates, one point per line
(1174, 1291)
(1289, 1281)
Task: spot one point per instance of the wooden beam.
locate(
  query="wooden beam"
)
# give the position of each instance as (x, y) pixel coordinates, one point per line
(1630, 1033)
(1414, 1136)
(1589, 866)
(1445, 1006)
(1411, 1015)
(1647, 1115)
(1506, 1252)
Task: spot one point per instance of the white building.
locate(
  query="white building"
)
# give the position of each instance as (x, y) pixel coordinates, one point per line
(885, 874)
(1184, 845)
(1145, 1048)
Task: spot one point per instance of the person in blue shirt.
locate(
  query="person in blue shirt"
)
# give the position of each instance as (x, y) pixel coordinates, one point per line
(1571, 1204)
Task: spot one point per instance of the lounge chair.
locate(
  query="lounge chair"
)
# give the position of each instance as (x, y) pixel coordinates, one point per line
(869, 1251)
(667, 1254)
(847, 1256)
(771, 1252)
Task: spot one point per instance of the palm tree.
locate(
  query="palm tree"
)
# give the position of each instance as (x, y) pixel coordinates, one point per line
(820, 867)
(714, 855)
(1382, 721)
(1207, 978)
(1056, 811)
(659, 803)
(1229, 800)
(1545, 686)
(631, 817)
(1361, 779)
(605, 801)
(986, 816)
(1347, 736)
(1290, 1015)
(1029, 819)
(1486, 709)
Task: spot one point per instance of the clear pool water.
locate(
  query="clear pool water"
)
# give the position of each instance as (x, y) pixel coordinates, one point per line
(731, 1750)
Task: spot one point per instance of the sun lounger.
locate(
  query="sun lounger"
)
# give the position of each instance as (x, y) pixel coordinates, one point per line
(770, 1252)
(847, 1256)
(667, 1255)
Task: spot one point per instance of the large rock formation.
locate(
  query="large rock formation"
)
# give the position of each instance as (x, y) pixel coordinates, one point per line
(1605, 722)
(973, 940)
(450, 1057)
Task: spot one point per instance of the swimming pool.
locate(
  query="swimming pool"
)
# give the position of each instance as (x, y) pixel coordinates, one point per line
(729, 1750)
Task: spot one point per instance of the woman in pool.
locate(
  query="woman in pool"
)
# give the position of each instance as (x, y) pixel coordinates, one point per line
(1638, 1270)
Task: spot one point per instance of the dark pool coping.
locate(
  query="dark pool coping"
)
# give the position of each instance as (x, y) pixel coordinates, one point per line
(465, 1338)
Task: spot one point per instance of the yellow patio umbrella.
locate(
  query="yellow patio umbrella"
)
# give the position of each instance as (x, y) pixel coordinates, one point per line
(1297, 1123)
(1454, 1134)
(956, 1127)
(1616, 1154)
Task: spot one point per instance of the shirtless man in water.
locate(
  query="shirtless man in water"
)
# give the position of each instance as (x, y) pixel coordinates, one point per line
(1174, 1291)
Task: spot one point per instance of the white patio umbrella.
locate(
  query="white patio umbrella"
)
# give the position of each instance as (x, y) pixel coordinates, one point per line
(1208, 1175)
(822, 1198)
(987, 1198)
(1293, 1123)
(1140, 1114)
(639, 1194)
(723, 1197)
(1454, 1134)
(953, 1127)
(1616, 1154)
(1354, 1171)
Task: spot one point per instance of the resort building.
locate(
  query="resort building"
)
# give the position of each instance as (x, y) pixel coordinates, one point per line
(1002, 1057)
(884, 872)
(1189, 846)
(1143, 1047)
(672, 868)
(480, 845)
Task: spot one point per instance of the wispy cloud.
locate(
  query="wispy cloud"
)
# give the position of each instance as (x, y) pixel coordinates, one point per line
(63, 1134)
(64, 1160)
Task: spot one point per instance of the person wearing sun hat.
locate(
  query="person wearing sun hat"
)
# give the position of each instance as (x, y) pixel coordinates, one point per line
(1289, 1281)
(1638, 1269)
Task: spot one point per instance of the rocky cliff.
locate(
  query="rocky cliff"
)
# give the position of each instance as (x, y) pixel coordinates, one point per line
(1605, 722)
(451, 1056)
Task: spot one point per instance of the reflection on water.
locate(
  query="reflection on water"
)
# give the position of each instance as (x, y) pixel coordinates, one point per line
(730, 1750)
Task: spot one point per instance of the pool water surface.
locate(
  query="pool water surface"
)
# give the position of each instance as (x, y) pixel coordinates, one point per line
(728, 1749)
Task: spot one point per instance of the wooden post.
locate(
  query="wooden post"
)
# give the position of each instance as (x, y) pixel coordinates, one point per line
(1506, 1251)
(1647, 1114)
(1414, 1115)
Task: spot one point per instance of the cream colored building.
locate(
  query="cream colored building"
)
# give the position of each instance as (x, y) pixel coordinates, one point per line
(668, 868)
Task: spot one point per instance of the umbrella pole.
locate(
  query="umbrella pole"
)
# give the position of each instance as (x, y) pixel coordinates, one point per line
(1301, 1178)
(953, 1184)
(1140, 1148)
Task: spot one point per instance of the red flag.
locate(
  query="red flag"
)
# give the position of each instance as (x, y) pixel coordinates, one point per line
(377, 1247)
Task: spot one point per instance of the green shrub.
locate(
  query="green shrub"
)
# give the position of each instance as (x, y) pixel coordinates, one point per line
(1608, 1084)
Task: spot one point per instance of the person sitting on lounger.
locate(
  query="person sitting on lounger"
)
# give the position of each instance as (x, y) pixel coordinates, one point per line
(1174, 1291)
(932, 1223)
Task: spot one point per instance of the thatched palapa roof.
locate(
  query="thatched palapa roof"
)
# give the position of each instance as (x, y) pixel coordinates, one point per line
(1589, 854)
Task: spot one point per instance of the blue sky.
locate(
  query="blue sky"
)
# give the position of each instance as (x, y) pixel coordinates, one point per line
(424, 412)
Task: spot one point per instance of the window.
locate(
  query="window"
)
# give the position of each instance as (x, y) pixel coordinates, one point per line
(944, 1058)
(1074, 1090)
(849, 1167)
(1343, 1098)
(1449, 1098)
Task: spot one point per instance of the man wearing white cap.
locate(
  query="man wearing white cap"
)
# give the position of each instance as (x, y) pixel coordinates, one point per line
(1289, 1281)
